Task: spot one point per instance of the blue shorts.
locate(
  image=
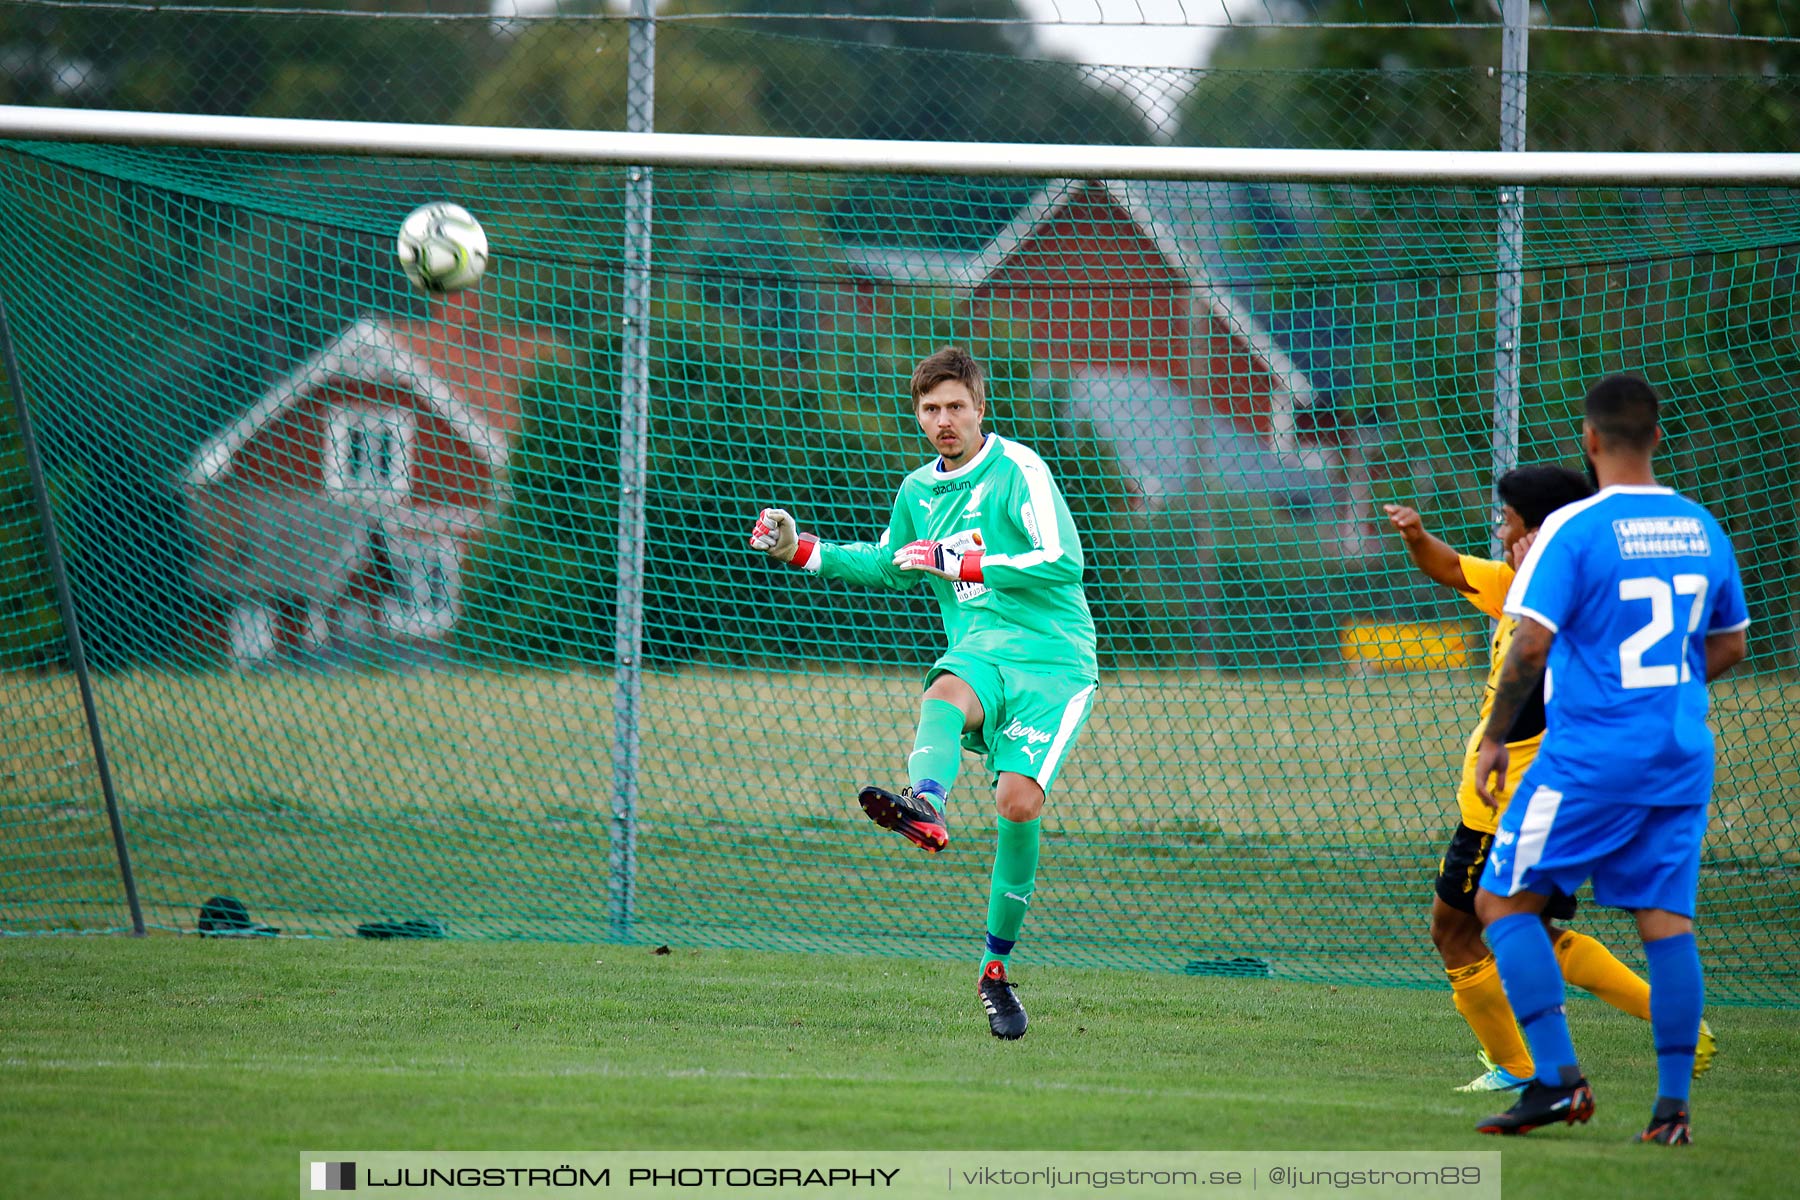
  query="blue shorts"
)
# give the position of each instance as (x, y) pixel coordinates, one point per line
(1638, 855)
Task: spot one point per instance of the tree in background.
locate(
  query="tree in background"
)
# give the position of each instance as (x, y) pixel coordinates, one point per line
(979, 75)
(363, 65)
(1366, 75)
(1352, 87)
(818, 77)
(1628, 91)
(969, 80)
(574, 75)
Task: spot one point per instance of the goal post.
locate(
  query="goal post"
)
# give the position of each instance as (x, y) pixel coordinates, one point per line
(872, 156)
(360, 568)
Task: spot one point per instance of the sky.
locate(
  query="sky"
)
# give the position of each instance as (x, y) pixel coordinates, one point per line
(1147, 33)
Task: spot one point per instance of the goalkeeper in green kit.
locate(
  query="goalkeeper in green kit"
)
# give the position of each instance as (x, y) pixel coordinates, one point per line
(986, 527)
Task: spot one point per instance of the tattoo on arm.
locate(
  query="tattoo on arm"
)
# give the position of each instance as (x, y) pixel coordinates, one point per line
(1520, 673)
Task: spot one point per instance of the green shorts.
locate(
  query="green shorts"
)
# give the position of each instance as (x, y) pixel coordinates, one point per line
(1031, 718)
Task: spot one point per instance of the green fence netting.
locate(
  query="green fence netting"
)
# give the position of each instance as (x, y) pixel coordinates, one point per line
(59, 862)
(346, 556)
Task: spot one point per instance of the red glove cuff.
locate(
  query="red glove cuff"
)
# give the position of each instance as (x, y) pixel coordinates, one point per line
(806, 555)
(971, 567)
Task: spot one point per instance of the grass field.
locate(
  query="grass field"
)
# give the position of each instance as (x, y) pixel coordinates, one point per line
(1243, 752)
(168, 1067)
(1194, 807)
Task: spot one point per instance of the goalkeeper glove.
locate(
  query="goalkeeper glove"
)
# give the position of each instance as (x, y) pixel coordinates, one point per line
(777, 536)
(935, 558)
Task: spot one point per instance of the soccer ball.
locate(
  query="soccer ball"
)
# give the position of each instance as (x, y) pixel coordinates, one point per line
(442, 248)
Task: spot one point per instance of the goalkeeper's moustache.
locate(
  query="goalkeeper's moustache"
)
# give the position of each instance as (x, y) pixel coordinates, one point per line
(776, 535)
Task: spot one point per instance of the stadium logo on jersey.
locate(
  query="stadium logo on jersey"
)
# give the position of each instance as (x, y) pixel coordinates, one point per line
(1032, 737)
(1662, 537)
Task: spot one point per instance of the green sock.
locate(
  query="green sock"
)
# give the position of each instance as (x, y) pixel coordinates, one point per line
(937, 750)
(1015, 874)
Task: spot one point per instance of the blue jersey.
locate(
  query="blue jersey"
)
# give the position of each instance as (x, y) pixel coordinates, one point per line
(1631, 581)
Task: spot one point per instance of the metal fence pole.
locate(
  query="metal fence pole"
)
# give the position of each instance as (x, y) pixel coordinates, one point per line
(65, 599)
(634, 423)
(1509, 282)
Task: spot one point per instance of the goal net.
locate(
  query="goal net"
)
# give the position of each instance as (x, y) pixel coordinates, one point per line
(391, 622)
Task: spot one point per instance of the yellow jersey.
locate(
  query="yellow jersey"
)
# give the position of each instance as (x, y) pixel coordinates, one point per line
(1488, 582)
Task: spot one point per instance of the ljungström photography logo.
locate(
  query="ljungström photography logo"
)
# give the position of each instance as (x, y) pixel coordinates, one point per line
(334, 1177)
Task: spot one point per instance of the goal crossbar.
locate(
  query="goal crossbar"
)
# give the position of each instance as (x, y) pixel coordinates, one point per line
(853, 156)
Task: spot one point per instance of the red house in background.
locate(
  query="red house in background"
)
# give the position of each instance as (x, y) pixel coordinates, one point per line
(336, 512)
(1102, 291)
(1165, 362)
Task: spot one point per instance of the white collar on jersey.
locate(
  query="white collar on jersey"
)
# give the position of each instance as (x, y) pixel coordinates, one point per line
(987, 445)
(1635, 489)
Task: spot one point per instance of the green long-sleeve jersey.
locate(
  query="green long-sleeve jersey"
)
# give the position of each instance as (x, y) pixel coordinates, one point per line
(1029, 608)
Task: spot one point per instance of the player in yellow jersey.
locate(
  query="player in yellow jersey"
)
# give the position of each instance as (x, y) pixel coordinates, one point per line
(1527, 495)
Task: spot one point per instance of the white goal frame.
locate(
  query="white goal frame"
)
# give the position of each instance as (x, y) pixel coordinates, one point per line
(384, 139)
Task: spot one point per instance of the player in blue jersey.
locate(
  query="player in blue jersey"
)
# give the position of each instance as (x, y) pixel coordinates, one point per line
(1632, 600)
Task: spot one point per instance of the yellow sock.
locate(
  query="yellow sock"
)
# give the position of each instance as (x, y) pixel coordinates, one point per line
(1482, 1002)
(1588, 964)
